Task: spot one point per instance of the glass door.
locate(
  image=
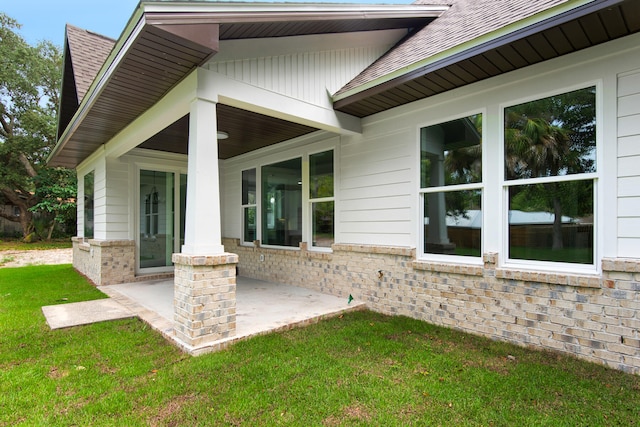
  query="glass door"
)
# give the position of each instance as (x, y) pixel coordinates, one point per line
(161, 226)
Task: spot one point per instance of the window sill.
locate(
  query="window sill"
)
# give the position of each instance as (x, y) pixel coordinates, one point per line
(584, 280)
(447, 267)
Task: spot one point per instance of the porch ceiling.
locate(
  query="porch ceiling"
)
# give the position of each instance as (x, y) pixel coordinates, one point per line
(161, 47)
(247, 131)
(592, 24)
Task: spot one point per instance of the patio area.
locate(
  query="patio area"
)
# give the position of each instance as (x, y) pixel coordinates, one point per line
(261, 307)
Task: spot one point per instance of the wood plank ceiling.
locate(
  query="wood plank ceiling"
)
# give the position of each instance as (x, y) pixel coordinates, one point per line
(588, 30)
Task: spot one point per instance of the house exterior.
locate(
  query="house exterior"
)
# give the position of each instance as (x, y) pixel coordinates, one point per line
(473, 164)
(9, 228)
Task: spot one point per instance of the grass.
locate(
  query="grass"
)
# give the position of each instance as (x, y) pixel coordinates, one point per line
(16, 244)
(360, 369)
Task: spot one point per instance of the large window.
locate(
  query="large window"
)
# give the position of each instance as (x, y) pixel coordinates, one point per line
(88, 205)
(282, 203)
(249, 218)
(550, 166)
(451, 187)
(321, 199)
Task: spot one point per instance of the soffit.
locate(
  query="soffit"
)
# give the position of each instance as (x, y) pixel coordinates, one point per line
(248, 131)
(162, 48)
(583, 27)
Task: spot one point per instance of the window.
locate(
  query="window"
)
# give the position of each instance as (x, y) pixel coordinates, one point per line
(88, 205)
(451, 187)
(249, 209)
(321, 198)
(550, 166)
(282, 203)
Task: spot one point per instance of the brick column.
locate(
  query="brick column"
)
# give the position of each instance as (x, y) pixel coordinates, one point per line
(204, 298)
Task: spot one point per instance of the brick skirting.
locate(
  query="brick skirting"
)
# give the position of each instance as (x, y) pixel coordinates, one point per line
(593, 317)
(105, 262)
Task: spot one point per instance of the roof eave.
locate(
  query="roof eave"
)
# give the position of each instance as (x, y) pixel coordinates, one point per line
(550, 18)
(163, 14)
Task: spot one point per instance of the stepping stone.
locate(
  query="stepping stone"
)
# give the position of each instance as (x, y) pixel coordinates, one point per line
(82, 313)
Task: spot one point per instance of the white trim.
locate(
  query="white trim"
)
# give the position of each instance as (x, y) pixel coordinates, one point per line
(587, 176)
(249, 205)
(594, 266)
(219, 87)
(421, 255)
(309, 202)
(304, 10)
(177, 171)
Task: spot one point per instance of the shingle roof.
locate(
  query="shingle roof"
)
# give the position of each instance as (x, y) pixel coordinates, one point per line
(88, 52)
(465, 20)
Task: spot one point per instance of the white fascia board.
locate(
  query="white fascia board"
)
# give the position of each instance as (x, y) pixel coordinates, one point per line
(471, 44)
(220, 88)
(302, 9)
(173, 106)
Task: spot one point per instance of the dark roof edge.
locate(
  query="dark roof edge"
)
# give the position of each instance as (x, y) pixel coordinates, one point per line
(344, 99)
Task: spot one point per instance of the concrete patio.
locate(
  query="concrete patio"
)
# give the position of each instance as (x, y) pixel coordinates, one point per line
(261, 307)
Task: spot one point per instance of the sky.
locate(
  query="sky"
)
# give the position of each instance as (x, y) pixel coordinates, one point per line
(46, 19)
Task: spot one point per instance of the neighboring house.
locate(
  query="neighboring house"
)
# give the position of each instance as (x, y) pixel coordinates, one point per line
(9, 228)
(347, 137)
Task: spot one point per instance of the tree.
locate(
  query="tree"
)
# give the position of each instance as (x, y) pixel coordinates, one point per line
(30, 78)
(56, 190)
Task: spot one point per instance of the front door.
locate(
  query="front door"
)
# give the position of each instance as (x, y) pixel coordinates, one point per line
(162, 204)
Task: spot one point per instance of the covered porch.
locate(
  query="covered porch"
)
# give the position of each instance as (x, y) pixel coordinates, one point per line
(261, 307)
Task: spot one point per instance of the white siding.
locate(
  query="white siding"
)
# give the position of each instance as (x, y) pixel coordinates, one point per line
(231, 200)
(377, 178)
(629, 164)
(117, 200)
(97, 165)
(311, 76)
(376, 188)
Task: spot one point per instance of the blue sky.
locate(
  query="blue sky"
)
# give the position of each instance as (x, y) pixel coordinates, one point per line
(45, 19)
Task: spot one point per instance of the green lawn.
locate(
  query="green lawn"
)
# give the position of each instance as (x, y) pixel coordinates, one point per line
(360, 369)
(16, 244)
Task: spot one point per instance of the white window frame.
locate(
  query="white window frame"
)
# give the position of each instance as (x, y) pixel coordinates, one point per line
(177, 172)
(258, 235)
(456, 259)
(277, 156)
(311, 201)
(561, 267)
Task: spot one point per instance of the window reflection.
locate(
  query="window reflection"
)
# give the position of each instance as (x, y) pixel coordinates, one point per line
(321, 196)
(88, 205)
(451, 155)
(551, 140)
(282, 203)
(536, 233)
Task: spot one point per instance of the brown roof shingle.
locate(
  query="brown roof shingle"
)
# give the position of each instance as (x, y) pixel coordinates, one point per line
(465, 20)
(89, 52)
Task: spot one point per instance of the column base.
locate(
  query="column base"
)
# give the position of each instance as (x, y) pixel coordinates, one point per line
(204, 298)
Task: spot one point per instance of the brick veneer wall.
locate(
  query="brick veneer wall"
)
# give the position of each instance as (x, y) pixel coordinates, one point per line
(204, 299)
(596, 318)
(105, 262)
